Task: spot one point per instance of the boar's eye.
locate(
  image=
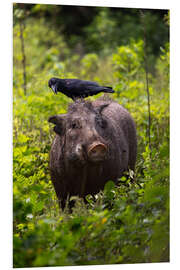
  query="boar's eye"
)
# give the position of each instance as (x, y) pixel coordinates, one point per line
(75, 124)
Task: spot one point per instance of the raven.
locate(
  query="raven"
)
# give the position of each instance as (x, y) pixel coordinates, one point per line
(75, 88)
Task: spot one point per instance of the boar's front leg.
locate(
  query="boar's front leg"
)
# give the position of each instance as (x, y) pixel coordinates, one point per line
(59, 189)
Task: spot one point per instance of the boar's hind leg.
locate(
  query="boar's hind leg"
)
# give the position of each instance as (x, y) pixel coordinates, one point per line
(132, 158)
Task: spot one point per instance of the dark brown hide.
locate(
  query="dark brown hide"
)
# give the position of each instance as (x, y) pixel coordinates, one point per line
(95, 142)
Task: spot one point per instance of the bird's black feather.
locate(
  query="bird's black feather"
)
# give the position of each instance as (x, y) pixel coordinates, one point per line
(75, 88)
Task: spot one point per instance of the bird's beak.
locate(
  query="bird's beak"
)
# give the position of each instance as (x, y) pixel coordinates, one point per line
(54, 89)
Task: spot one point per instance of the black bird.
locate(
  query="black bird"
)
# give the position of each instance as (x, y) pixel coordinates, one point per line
(75, 88)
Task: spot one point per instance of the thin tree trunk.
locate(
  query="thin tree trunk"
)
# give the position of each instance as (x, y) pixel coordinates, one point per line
(147, 80)
(22, 27)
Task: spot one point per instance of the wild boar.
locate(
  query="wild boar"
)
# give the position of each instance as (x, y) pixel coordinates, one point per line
(95, 142)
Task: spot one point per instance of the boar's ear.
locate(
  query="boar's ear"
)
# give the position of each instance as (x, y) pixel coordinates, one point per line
(102, 107)
(58, 121)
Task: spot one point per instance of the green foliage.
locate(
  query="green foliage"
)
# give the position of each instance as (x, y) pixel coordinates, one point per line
(100, 29)
(128, 223)
(89, 65)
(167, 18)
(128, 66)
(101, 32)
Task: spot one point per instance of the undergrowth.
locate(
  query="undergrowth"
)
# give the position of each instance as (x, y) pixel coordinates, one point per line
(128, 223)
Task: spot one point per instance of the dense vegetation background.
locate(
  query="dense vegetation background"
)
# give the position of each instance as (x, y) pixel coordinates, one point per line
(128, 223)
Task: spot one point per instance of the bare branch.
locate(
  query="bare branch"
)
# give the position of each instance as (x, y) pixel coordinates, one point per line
(147, 80)
(22, 27)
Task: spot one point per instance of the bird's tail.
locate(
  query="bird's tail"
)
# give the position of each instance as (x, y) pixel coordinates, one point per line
(108, 89)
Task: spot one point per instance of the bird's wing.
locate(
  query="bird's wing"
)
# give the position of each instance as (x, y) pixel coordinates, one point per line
(76, 83)
(93, 89)
(89, 83)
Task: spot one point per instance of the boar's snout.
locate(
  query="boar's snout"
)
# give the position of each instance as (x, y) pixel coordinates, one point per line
(97, 152)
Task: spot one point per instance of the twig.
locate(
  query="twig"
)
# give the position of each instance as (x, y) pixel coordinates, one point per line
(147, 80)
(22, 27)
